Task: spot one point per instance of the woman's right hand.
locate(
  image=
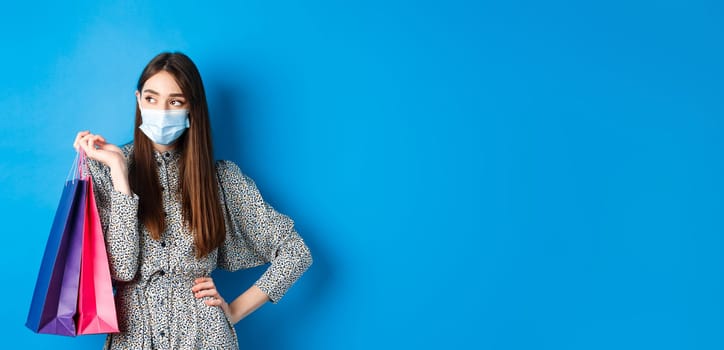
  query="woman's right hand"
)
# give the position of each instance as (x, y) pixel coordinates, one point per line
(96, 148)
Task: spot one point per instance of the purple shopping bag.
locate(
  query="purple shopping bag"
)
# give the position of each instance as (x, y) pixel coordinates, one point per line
(55, 298)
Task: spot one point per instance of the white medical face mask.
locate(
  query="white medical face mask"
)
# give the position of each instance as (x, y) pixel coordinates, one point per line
(164, 126)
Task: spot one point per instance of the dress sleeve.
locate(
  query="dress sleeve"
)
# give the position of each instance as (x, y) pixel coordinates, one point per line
(258, 234)
(119, 219)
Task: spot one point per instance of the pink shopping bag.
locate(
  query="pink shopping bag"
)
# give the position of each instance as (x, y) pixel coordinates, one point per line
(96, 306)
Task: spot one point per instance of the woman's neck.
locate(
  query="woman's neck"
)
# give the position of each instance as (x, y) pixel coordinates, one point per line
(164, 148)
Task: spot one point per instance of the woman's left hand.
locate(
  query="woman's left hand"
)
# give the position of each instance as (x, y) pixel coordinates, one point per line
(204, 287)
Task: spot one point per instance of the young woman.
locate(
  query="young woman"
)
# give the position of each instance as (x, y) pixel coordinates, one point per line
(171, 215)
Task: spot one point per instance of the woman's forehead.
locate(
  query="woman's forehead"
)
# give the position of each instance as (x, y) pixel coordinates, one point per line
(162, 83)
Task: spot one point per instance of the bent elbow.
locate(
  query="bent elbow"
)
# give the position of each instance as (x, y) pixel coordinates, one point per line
(123, 273)
(306, 258)
(124, 276)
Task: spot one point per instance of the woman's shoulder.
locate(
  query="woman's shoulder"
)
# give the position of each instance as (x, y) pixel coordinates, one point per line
(228, 170)
(127, 149)
(231, 175)
(223, 165)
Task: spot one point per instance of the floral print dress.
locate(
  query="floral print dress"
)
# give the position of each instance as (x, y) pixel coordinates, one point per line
(153, 278)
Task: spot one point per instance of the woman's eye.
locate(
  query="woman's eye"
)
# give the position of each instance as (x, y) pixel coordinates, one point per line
(177, 103)
(150, 99)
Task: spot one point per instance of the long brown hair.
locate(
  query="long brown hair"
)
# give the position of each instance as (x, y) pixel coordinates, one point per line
(199, 189)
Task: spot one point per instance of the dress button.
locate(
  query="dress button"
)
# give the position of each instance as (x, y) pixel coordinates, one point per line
(162, 272)
(163, 244)
(166, 154)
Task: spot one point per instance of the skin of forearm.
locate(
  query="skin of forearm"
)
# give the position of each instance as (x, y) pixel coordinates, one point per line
(247, 303)
(119, 176)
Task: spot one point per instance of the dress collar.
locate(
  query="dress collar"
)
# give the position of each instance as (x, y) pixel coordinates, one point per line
(170, 155)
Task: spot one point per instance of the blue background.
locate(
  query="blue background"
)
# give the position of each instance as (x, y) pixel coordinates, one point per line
(502, 175)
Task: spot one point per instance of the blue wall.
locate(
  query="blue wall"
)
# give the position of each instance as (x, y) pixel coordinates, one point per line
(508, 175)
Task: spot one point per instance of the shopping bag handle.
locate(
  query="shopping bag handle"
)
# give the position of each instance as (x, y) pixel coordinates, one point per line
(79, 169)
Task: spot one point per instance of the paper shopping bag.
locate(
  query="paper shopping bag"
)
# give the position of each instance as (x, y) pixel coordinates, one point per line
(96, 307)
(55, 298)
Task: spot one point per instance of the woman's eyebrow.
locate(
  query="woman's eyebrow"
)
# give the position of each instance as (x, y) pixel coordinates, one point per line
(156, 93)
